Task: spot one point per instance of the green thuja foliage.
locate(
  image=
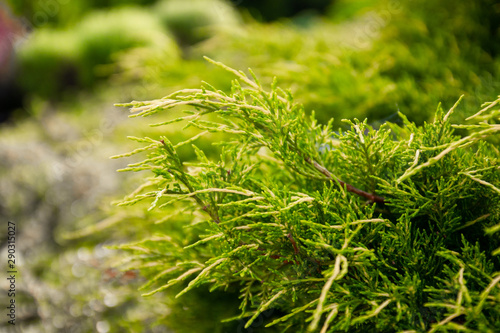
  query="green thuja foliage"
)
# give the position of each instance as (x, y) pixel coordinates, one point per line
(375, 58)
(308, 229)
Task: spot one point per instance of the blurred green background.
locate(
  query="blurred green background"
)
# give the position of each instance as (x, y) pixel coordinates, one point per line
(63, 64)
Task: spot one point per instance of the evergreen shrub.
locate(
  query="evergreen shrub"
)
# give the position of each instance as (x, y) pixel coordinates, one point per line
(81, 56)
(196, 20)
(375, 58)
(310, 229)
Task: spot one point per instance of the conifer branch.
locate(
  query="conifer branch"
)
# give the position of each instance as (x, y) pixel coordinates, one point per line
(348, 187)
(308, 249)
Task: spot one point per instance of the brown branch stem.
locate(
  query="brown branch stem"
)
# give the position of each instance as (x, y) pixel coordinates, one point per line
(370, 196)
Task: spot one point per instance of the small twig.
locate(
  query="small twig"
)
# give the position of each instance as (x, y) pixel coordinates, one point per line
(294, 243)
(348, 187)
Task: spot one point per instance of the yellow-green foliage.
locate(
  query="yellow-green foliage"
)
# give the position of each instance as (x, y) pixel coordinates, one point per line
(361, 230)
(78, 56)
(386, 57)
(406, 239)
(105, 34)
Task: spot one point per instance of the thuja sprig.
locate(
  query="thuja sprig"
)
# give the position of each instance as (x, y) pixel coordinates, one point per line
(279, 216)
(269, 119)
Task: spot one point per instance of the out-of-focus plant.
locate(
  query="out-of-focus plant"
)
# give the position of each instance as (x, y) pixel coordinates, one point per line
(104, 35)
(269, 11)
(51, 57)
(317, 230)
(194, 21)
(57, 13)
(78, 57)
(62, 212)
(374, 59)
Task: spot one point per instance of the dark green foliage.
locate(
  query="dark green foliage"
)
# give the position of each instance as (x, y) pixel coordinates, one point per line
(360, 230)
(195, 20)
(273, 10)
(52, 58)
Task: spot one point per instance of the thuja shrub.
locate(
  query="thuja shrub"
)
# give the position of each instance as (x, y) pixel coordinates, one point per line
(318, 230)
(374, 58)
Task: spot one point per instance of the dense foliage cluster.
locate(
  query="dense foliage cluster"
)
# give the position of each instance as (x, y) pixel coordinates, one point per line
(321, 230)
(375, 59)
(376, 225)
